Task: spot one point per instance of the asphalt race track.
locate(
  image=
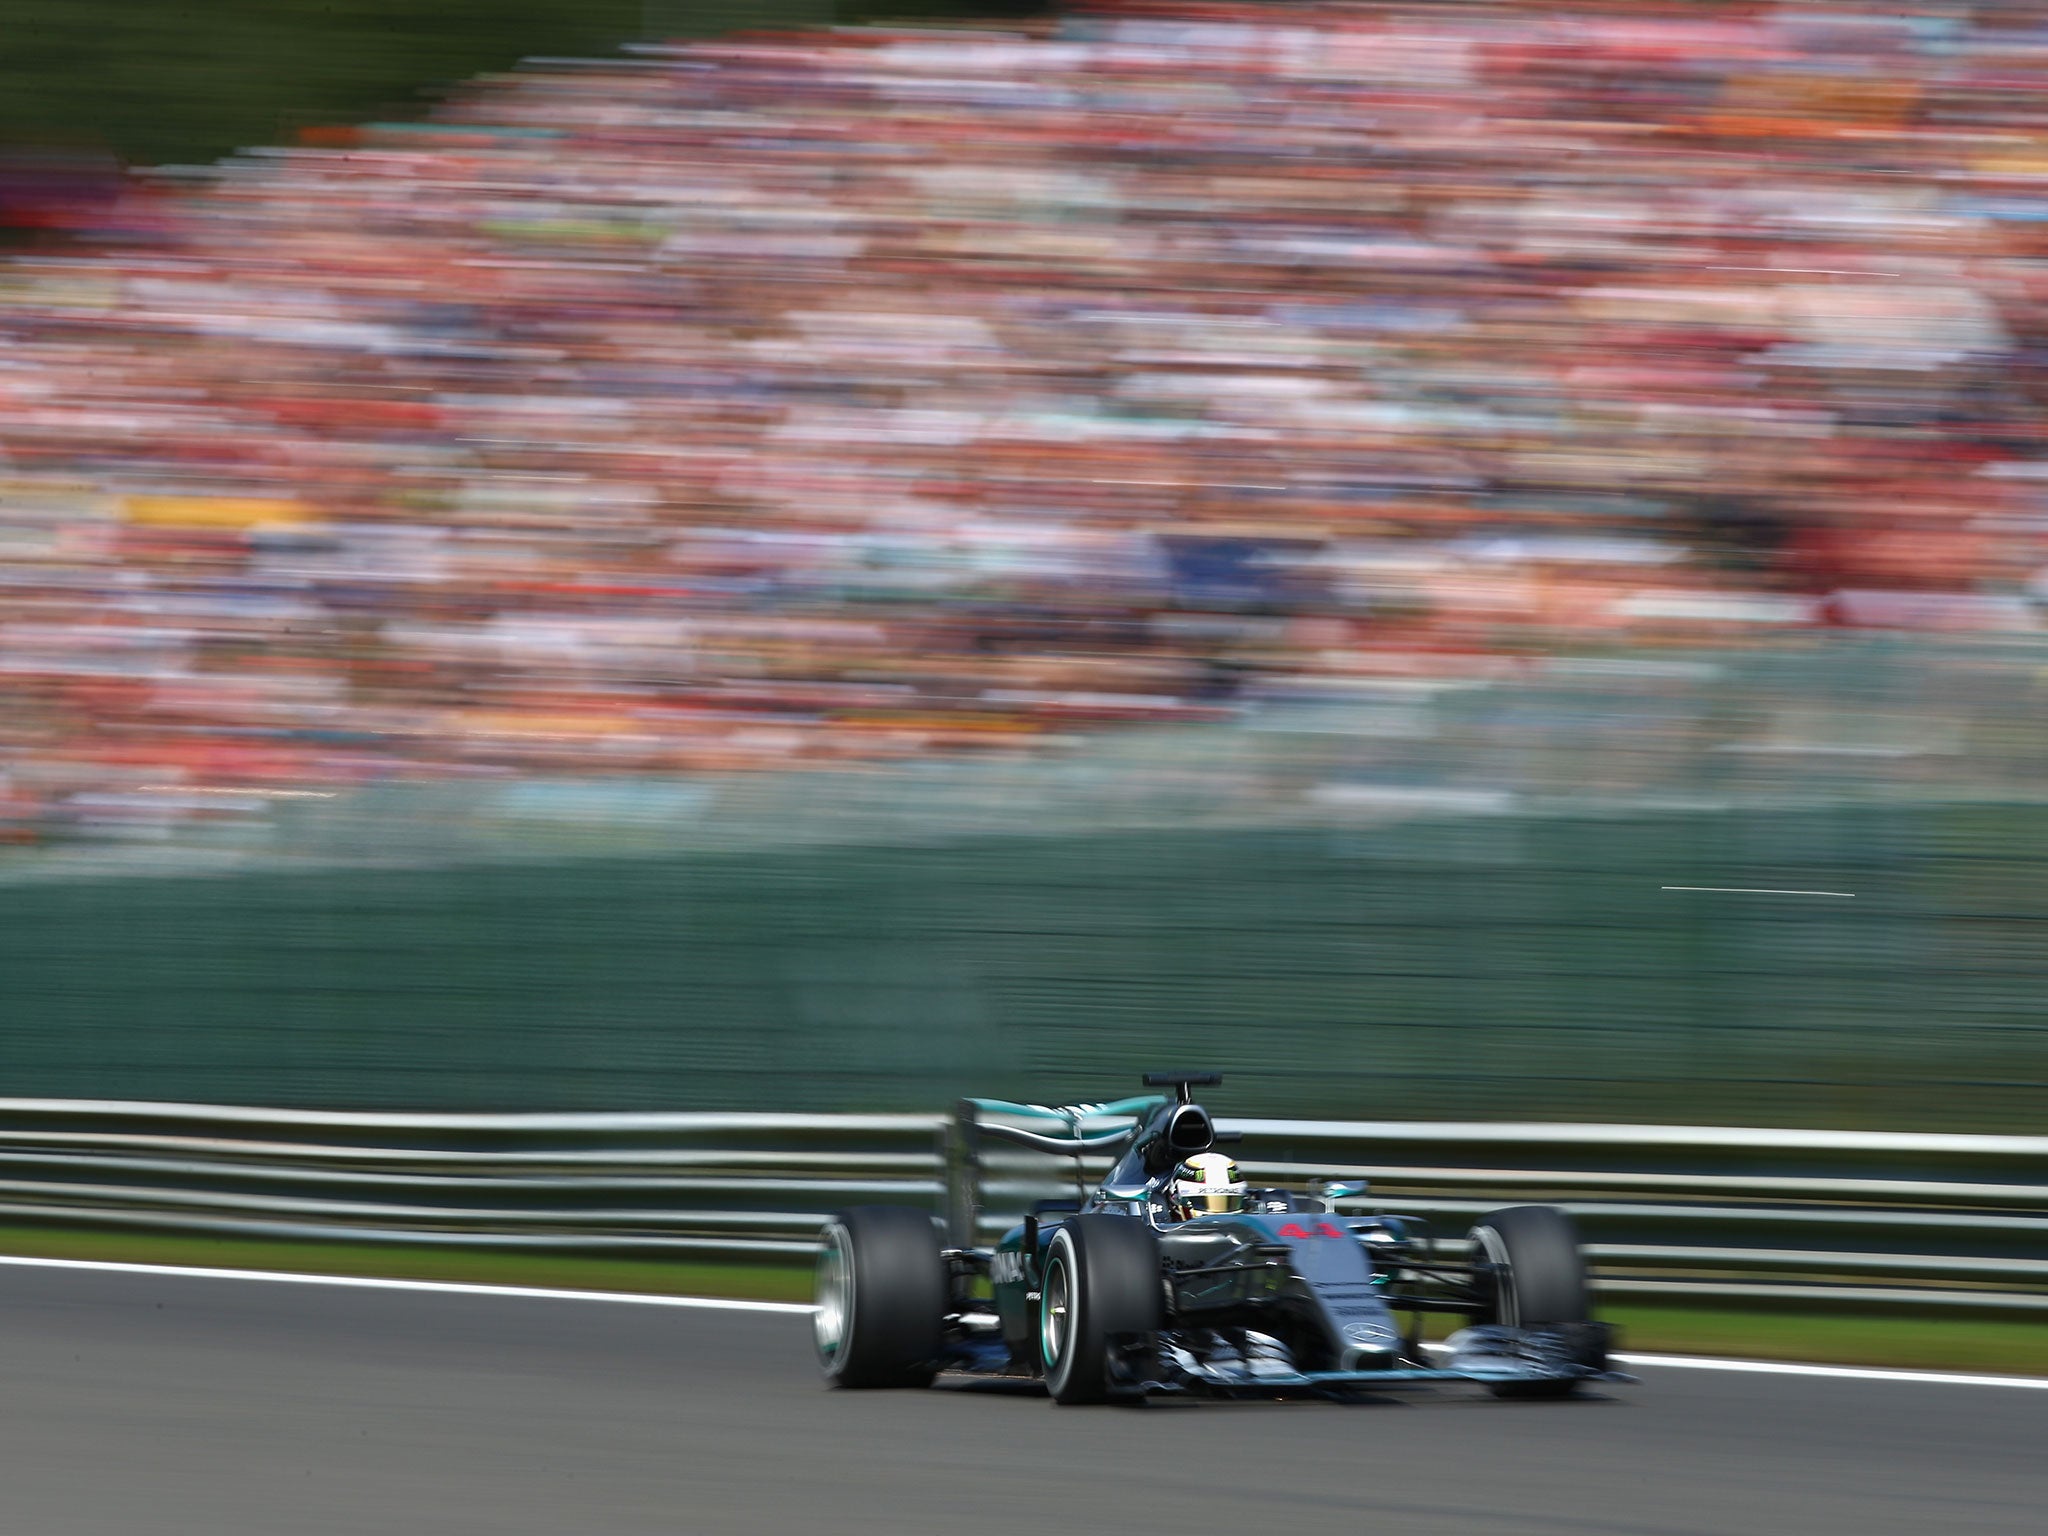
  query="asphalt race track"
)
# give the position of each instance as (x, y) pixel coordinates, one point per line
(159, 1405)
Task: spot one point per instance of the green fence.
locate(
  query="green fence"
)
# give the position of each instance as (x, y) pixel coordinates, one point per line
(1430, 899)
(1447, 966)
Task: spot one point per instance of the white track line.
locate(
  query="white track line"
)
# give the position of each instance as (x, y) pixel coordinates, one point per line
(1837, 1372)
(1795, 1368)
(726, 1304)
(449, 1287)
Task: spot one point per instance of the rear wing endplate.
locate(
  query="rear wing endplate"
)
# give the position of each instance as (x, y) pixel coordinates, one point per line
(1064, 1130)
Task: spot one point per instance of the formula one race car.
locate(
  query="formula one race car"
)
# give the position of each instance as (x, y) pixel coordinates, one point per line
(1173, 1277)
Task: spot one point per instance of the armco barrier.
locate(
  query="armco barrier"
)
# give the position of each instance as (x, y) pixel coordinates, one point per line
(1694, 1213)
(650, 1184)
(1680, 1212)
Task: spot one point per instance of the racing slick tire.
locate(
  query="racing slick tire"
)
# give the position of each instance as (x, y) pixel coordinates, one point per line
(881, 1298)
(1539, 1278)
(1099, 1287)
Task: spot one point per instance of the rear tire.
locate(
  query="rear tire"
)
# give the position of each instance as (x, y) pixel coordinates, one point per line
(1101, 1285)
(1539, 1278)
(881, 1298)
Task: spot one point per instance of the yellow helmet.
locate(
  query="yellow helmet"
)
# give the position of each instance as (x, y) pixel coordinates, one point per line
(1206, 1183)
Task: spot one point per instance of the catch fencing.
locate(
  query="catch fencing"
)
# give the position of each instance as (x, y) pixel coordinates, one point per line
(1446, 893)
(1685, 1213)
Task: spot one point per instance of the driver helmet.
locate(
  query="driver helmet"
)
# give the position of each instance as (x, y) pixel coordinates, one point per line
(1206, 1183)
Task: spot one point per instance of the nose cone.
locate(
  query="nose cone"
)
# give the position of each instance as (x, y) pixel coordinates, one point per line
(1370, 1346)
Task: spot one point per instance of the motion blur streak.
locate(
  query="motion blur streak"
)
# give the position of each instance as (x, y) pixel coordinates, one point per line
(1366, 492)
(842, 397)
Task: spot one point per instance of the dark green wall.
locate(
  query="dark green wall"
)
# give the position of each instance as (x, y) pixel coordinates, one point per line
(1493, 966)
(189, 80)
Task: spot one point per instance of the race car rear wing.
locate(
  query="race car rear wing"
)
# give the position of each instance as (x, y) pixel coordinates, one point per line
(1063, 1130)
(1143, 1136)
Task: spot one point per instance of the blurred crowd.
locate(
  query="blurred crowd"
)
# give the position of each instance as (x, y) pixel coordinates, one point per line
(862, 394)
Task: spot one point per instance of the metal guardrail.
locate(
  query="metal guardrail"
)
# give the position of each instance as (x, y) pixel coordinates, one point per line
(1678, 1213)
(1668, 1212)
(646, 1184)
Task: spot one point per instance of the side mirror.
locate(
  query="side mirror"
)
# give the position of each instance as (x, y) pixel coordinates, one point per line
(1333, 1190)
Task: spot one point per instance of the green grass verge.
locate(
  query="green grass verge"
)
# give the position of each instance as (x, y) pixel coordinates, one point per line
(2017, 1346)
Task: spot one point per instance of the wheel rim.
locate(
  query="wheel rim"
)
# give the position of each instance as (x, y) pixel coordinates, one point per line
(1507, 1306)
(1055, 1308)
(834, 1297)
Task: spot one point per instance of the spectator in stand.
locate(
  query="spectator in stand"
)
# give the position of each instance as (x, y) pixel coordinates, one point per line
(828, 398)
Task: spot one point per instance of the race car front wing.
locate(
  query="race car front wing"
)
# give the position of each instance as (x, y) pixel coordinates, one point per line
(1491, 1355)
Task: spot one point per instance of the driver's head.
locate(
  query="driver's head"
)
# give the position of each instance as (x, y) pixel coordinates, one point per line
(1205, 1183)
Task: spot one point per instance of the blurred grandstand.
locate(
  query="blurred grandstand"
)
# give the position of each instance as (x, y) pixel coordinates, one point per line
(1551, 386)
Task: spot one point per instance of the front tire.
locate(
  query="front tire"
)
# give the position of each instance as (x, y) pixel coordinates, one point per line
(1539, 1278)
(1099, 1289)
(880, 1298)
